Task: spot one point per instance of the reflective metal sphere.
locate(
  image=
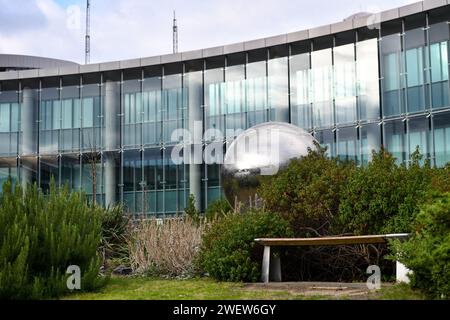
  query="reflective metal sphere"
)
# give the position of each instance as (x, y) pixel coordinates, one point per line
(260, 151)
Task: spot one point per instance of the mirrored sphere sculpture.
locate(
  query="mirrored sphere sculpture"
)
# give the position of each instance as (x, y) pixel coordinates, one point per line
(259, 153)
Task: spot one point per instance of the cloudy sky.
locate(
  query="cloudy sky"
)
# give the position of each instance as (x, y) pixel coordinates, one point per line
(126, 29)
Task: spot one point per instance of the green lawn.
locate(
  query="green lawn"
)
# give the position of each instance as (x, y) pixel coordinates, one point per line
(141, 288)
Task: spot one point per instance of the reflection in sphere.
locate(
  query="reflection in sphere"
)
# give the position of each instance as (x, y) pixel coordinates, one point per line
(261, 151)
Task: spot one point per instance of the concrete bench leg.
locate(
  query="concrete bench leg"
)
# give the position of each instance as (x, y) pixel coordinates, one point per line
(266, 265)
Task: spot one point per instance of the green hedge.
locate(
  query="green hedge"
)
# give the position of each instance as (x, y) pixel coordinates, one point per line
(41, 236)
(427, 252)
(229, 253)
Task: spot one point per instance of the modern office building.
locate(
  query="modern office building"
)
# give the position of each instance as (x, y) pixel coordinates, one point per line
(370, 80)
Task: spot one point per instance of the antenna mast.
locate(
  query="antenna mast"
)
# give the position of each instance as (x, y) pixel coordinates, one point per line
(88, 33)
(175, 34)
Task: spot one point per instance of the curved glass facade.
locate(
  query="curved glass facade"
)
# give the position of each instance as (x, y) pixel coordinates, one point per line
(113, 133)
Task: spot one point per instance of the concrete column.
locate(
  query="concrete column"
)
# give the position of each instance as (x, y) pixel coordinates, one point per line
(111, 136)
(28, 121)
(29, 114)
(111, 139)
(196, 131)
(110, 172)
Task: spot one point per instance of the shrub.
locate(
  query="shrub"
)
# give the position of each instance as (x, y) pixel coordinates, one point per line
(115, 231)
(167, 249)
(383, 197)
(307, 193)
(427, 252)
(229, 252)
(218, 209)
(41, 236)
(191, 210)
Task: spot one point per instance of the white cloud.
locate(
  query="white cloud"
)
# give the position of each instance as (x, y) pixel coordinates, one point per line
(123, 29)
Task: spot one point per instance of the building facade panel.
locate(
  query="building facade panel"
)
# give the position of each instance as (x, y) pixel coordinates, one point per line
(115, 133)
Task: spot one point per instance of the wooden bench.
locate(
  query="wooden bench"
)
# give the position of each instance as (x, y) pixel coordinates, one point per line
(309, 242)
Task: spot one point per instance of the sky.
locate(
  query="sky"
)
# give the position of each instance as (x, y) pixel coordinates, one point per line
(128, 29)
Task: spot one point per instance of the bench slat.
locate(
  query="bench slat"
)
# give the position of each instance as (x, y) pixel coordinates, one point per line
(326, 241)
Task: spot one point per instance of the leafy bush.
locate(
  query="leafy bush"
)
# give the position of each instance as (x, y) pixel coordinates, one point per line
(384, 197)
(218, 209)
(115, 231)
(229, 252)
(427, 252)
(41, 236)
(307, 193)
(167, 249)
(191, 210)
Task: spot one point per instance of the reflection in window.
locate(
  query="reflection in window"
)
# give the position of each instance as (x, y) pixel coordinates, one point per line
(300, 87)
(415, 66)
(345, 84)
(370, 141)
(326, 140)
(391, 68)
(394, 133)
(322, 88)
(347, 144)
(278, 89)
(419, 136)
(368, 79)
(439, 73)
(442, 138)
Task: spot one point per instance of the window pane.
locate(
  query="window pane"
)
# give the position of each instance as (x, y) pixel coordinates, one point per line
(345, 84)
(322, 86)
(300, 87)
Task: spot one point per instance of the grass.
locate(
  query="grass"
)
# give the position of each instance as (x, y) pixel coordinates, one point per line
(399, 292)
(142, 288)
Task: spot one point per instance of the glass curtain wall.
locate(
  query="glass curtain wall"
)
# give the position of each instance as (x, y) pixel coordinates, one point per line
(9, 119)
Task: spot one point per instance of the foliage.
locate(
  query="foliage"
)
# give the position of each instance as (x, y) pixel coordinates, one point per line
(307, 193)
(217, 209)
(383, 197)
(167, 249)
(41, 236)
(115, 227)
(229, 252)
(191, 210)
(427, 252)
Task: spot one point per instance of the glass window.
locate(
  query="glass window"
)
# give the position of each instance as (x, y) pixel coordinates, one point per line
(419, 136)
(368, 79)
(439, 35)
(70, 171)
(235, 92)
(345, 84)
(132, 177)
(391, 71)
(49, 167)
(415, 69)
(300, 87)
(394, 135)
(214, 101)
(370, 141)
(257, 93)
(152, 106)
(348, 144)
(322, 87)
(278, 79)
(5, 117)
(442, 138)
(326, 139)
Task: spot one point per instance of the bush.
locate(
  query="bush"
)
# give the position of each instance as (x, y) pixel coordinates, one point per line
(115, 231)
(167, 249)
(427, 252)
(41, 236)
(307, 193)
(229, 252)
(384, 197)
(218, 209)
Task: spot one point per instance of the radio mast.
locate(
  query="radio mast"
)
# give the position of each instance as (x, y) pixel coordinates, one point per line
(175, 34)
(88, 33)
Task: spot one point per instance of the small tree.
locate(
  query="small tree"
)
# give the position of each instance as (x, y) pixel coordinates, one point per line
(191, 210)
